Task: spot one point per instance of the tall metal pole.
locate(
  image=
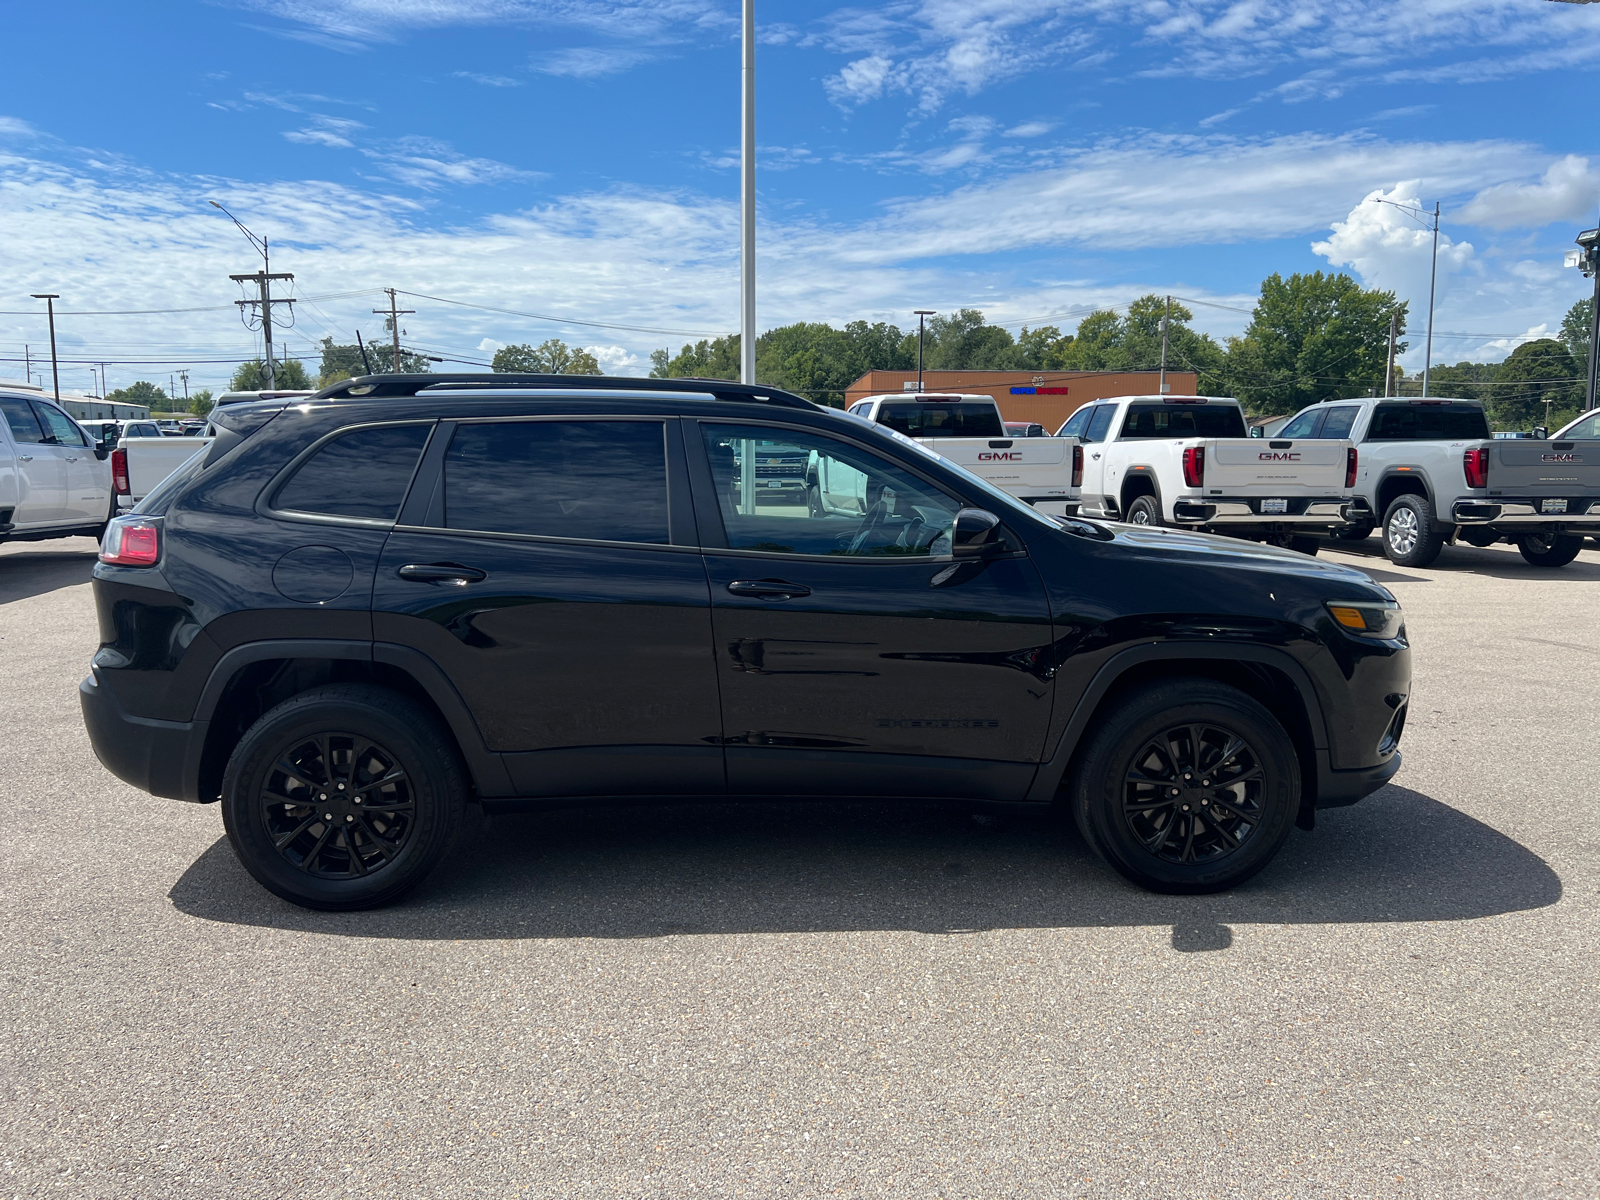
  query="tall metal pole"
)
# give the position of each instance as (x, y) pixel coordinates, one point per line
(1594, 333)
(747, 203)
(1388, 371)
(266, 313)
(50, 299)
(1433, 276)
(921, 314)
(1164, 320)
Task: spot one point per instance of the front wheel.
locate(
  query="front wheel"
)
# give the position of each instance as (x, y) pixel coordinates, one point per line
(1186, 787)
(343, 797)
(1145, 510)
(1549, 549)
(1409, 538)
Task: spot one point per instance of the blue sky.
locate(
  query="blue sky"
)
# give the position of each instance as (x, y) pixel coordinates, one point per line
(577, 160)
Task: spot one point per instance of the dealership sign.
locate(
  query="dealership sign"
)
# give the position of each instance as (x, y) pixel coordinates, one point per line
(1038, 391)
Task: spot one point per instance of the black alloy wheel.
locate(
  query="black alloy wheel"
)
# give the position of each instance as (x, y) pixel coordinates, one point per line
(343, 797)
(338, 806)
(1550, 549)
(1187, 786)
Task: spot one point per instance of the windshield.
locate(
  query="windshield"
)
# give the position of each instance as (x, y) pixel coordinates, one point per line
(1004, 500)
(942, 418)
(1183, 420)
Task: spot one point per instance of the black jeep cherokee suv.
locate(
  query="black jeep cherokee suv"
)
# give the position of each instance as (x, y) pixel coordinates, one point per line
(354, 613)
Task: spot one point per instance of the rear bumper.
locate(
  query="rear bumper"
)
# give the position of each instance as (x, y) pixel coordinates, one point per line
(159, 757)
(1320, 512)
(1338, 789)
(1527, 512)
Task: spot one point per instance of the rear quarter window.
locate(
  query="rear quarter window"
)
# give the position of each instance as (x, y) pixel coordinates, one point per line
(1427, 423)
(363, 474)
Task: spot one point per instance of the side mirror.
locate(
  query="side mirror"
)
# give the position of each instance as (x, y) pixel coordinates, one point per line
(976, 534)
(1541, 434)
(102, 448)
(1255, 431)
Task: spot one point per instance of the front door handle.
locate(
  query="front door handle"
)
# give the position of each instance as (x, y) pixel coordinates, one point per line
(441, 573)
(71, 459)
(24, 458)
(768, 589)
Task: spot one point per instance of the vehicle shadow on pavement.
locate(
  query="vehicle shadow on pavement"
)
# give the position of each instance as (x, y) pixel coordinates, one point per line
(824, 867)
(28, 573)
(1498, 562)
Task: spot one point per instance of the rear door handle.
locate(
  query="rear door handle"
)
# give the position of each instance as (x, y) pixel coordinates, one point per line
(768, 589)
(441, 573)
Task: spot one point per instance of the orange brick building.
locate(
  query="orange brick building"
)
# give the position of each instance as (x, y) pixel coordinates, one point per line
(1048, 397)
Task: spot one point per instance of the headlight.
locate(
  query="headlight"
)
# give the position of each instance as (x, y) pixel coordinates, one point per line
(1382, 622)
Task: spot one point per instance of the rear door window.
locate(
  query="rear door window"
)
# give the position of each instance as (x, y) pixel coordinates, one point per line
(1339, 422)
(1427, 422)
(25, 427)
(363, 474)
(594, 480)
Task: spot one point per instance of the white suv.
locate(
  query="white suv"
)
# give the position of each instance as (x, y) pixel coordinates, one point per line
(54, 480)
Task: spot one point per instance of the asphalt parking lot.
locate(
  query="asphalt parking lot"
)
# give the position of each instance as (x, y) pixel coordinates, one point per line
(815, 1001)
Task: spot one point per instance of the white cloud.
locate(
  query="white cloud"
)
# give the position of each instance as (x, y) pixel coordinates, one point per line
(1218, 118)
(16, 127)
(1029, 129)
(1568, 191)
(326, 131)
(1387, 241)
(586, 62)
(345, 22)
(428, 163)
(498, 81)
(860, 81)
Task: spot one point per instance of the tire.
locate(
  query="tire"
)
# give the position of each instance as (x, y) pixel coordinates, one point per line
(814, 502)
(307, 743)
(1305, 545)
(1144, 510)
(1409, 538)
(1550, 549)
(1149, 733)
(1360, 531)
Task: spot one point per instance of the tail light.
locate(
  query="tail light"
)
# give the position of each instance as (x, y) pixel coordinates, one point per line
(119, 472)
(1476, 465)
(1194, 466)
(1077, 466)
(1350, 467)
(131, 542)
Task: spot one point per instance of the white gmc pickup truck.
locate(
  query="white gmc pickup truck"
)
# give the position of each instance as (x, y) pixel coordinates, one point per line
(969, 431)
(1431, 473)
(1188, 461)
(138, 464)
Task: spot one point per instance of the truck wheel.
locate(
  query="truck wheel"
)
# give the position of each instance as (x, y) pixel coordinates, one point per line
(1144, 510)
(1358, 531)
(1305, 545)
(1550, 549)
(1186, 787)
(343, 797)
(814, 502)
(1409, 539)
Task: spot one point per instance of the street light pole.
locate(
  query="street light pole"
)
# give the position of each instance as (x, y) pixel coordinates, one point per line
(1433, 275)
(747, 202)
(1588, 260)
(50, 299)
(922, 314)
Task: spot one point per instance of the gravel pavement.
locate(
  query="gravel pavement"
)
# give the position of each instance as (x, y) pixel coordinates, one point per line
(780, 1001)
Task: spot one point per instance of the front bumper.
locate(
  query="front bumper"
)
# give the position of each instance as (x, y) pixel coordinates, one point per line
(1338, 789)
(1581, 513)
(159, 757)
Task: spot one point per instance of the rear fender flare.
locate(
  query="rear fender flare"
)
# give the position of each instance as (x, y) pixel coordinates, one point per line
(1054, 769)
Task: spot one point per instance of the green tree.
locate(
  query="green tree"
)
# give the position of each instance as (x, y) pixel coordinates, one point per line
(289, 374)
(1043, 349)
(142, 392)
(1540, 383)
(551, 357)
(1575, 327)
(1108, 342)
(964, 341)
(200, 403)
(345, 361)
(714, 358)
(820, 362)
(1312, 337)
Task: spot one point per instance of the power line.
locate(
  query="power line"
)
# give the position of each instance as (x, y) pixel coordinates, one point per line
(511, 312)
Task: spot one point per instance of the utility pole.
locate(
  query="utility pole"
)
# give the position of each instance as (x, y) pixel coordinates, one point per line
(1388, 371)
(921, 314)
(394, 315)
(1588, 260)
(50, 299)
(1433, 275)
(1166, 317)
(263, 281)
(747, 201)
(103, 392)
(184, 375)
(27, 362)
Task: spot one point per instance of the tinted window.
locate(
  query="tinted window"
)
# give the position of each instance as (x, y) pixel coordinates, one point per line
(1076, 423)
(1584, 430)
(601, 480)
(1427, 423)
(364, 473)
(1100, 423)
(939, 418)
(62, 427)
(855, 504)
(1184, 420)
(25, 428)
(1339, 422)
(1304, 425)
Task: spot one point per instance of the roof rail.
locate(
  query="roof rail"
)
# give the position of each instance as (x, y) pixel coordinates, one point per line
(410, 384)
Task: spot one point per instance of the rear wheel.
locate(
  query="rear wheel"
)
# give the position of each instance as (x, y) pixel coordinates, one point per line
(1357, 531)
(1549, 549)
(1186, 787)
(1409, 538)
(1144, 510)
(343, 797)
(1305, 545)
